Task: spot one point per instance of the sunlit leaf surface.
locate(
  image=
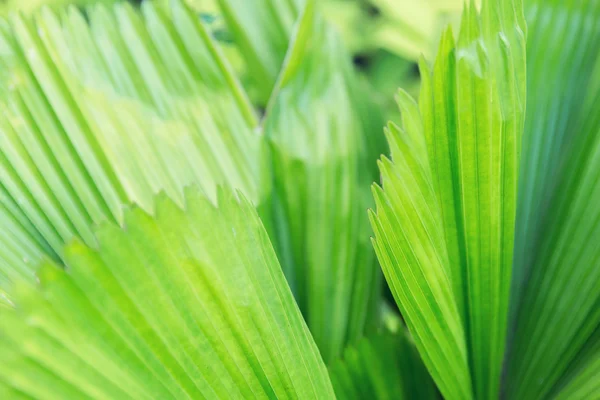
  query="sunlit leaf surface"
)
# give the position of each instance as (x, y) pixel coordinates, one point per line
(190, 303)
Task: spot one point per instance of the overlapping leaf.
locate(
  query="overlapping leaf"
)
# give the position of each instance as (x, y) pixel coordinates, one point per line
(320, 162)
(188, 304)
(382, 366)
(262, 30)
(102, 114)
(445, 217)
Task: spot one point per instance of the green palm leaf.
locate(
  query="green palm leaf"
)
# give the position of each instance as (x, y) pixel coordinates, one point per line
(445, 217)
(322, 174)
(188, 304)
(183, 296)
(581, 381)
(70, 91)
(557, 281)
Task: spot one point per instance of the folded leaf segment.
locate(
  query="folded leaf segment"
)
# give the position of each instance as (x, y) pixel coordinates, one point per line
(323, 163)
(444, 224)
(191, 303)
(555, 340)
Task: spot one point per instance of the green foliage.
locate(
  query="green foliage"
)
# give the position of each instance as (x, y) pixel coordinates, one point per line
(190, 303)
(103, 115)
(394, 371)
(322, 171)
(29, 6)
(262, 29)
(557, 280)
(184, 189)
(405, 28)
(444, 223)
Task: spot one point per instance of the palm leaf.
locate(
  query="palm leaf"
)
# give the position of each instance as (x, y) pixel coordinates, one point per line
(188, 304)
(557, 280)
(321, 180)
(70, 90)
(445, 216)
(582, 378)
(585, 385)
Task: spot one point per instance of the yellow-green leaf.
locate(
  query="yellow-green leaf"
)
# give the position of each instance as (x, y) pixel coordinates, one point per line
(190, 303)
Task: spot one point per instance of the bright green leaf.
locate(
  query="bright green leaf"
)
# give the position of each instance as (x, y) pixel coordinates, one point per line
(190, 303)
(445, 218)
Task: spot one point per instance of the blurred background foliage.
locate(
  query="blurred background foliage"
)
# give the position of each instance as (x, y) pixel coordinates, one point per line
(387, 37)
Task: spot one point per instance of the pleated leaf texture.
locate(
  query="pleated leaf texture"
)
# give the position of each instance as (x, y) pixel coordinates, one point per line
(449, 214)
(444, 222)
(160, 240)
(190, 303)
(107, 113)
(322, 174)
(555, 332)
(115, 106)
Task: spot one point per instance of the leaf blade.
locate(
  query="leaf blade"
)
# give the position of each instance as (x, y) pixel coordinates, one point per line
(321, 174)
(445, 233)
(198, 335)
